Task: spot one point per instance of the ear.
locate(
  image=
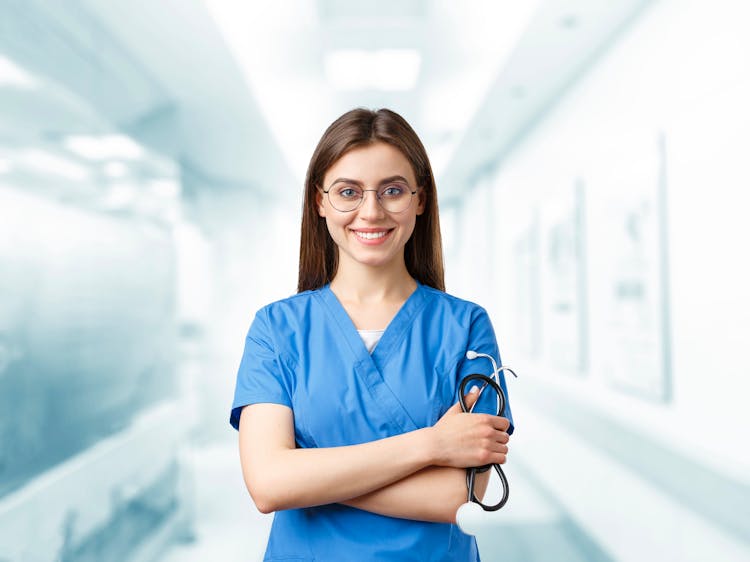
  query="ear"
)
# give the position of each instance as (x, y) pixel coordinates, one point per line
(421, 200)
(319, 202)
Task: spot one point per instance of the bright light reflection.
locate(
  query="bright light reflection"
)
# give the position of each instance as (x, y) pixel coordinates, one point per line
(51, 163)
(104, 147)
(119, 196)
(165, 188)
(384, 69)
(13, 75)
(115, 169)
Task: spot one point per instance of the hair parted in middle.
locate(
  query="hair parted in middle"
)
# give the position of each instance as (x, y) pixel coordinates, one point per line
(423, 253)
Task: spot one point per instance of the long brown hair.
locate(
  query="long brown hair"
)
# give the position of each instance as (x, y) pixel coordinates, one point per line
(318, 255)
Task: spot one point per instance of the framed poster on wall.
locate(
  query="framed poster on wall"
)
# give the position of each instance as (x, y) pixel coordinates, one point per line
(526, 313)
(564, 295)
(638, 340)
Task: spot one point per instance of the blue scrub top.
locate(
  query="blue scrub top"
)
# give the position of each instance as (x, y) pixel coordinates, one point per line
(304, 352)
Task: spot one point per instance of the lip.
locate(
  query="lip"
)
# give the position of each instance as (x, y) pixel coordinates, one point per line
(372, 241)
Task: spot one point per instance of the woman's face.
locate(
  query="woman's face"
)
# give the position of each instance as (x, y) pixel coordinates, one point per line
(370, 235)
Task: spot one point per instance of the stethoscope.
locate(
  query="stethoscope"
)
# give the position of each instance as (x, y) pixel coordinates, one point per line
(493, 381)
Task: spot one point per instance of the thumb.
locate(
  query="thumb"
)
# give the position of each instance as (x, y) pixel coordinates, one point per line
(471, 397)
(455, 409)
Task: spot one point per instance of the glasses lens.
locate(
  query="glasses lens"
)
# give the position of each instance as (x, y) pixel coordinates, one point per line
(395, 197)
(345, 198)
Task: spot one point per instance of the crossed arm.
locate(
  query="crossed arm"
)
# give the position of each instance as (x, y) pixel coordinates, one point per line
(417, 475)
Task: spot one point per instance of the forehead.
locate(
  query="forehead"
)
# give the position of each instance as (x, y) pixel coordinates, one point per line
(371, 163)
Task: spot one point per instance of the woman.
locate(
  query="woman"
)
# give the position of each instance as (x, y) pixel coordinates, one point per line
(346, 393)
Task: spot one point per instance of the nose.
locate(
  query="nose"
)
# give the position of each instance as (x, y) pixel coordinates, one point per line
(370, 208)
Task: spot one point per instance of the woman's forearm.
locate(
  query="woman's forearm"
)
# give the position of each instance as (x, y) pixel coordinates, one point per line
(431, 494)
(280, 476)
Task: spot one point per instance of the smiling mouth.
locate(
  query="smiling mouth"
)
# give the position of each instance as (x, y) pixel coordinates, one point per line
(372, 235)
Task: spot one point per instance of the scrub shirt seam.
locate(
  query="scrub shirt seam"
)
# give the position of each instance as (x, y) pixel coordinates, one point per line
(407, 322)
(406, 325)
(365, 364)
(332, 313)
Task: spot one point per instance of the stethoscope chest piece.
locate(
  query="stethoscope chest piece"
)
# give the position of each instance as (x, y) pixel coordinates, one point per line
(468, 516)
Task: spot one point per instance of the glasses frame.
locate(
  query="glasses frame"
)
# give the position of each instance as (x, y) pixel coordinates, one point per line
(377, 196)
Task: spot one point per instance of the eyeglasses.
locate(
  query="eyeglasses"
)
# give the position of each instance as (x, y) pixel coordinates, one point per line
(394, 197)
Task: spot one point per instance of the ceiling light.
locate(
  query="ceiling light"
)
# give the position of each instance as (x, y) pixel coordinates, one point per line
(104, 147)
(383, 69)
(13, 75)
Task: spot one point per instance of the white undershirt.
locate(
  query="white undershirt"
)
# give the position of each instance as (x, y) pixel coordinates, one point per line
(371, 338)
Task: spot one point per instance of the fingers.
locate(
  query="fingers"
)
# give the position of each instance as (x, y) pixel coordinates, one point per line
(498, 423)
(496, 454)
(496, 443)
(499, 437)
(501, 423)
(471, 439)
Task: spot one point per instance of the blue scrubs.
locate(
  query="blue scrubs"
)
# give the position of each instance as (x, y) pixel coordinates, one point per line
(304, 352)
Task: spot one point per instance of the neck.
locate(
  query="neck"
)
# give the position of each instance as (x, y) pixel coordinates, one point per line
(360, 283)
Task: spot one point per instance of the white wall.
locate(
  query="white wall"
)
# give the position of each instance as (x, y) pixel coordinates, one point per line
(666, 106)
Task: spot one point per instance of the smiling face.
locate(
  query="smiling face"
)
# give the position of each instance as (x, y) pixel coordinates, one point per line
(370, 235)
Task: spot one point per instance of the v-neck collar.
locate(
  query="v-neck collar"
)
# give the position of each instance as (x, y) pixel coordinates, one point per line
(392, 335)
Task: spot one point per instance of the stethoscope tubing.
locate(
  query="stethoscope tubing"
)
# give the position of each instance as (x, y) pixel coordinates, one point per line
(472, 472)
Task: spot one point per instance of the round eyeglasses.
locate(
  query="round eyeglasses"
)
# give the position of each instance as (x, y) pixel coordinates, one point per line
(393, 197)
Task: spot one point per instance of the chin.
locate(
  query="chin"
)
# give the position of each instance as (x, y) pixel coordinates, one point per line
(373, 261)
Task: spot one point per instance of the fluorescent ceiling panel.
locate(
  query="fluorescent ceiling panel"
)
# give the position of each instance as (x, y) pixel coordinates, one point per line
(307, 61)
(389, 70)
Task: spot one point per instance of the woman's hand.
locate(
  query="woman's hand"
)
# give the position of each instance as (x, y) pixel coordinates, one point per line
(464, 440)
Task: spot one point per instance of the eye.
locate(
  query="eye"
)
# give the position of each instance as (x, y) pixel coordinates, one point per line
(349, 193)
(393, 190)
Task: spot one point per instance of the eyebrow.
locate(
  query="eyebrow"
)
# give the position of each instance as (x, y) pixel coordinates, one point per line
(359, 183)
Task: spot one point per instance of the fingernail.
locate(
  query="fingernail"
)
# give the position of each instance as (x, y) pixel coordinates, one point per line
(474, 390)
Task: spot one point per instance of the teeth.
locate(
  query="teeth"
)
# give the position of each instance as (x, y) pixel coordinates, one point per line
(370, 235)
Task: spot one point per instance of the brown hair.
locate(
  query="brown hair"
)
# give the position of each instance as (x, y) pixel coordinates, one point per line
(318, 256)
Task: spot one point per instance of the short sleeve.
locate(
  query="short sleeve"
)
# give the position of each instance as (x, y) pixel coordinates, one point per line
(260, 377)
(482, 340)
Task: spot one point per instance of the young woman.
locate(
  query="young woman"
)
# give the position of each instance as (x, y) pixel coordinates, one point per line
(346, 396)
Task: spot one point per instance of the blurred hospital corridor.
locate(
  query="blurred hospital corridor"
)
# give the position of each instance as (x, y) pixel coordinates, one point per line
(591, 161)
